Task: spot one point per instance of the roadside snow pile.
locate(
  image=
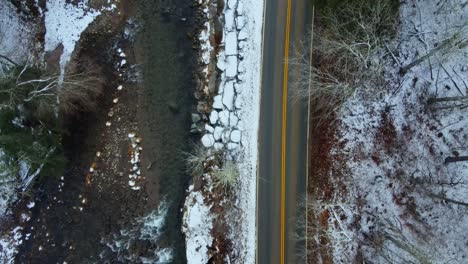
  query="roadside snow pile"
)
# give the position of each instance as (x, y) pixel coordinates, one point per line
(15, 33)
(404, 198)
(197, 225)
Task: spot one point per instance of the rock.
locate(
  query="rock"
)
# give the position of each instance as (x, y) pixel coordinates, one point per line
(224, 118)
(226, 137)
(221, 64)
(232, 3)
(201, 127)
(209, 128)
(214, 117)
(231, 66)
(236, 136)
(243, 35)
(232, 146)
(238, 104)
(217, 102)
(229, 18)
(218, 132)
(196, 117)
(218, 146)
(228, 95)
(194, 129)
(208, 140)
(240, 22)
(233, 119)
(230, 44)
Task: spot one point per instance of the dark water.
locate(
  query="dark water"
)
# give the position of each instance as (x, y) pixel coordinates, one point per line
(168, 62)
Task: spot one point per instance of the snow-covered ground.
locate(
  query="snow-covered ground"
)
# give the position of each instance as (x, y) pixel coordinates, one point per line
(403, 203)
(15, 33)
(233, 121)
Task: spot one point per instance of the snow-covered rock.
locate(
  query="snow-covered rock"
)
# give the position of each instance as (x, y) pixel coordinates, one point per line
(218, 102)
(228, 95)
(233, 119)
(224, 118)
(214, 117)
(231, 43)
(218, 132)
(232, 146)
(208, 140)
(231, 66)
(209, 128)
(229, 20)
(218, 146)
(236, 136)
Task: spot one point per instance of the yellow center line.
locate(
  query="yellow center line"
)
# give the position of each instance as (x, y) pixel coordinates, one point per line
(283, 139)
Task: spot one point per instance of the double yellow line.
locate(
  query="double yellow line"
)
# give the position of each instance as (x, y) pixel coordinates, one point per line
(283, 136)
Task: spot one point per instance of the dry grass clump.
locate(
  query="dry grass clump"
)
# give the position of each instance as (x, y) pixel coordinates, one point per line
(81, 89)
(196, 160)
(346, 53)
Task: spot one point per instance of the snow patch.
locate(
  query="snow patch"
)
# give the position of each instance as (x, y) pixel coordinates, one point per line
(197, 224)
(64, 23)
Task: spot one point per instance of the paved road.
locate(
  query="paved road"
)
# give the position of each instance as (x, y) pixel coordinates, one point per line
(283, 135)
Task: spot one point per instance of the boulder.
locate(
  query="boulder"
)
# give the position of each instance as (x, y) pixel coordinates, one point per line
(214, 117)
(236, 136)
(208, 140)
(196, 117)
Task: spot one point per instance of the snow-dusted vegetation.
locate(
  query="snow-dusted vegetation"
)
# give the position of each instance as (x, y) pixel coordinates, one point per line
(396, 190)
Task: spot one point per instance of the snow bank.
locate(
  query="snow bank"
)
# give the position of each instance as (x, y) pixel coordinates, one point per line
(197, 224)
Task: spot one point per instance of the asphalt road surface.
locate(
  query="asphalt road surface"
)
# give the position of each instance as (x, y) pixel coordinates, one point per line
(282, 166)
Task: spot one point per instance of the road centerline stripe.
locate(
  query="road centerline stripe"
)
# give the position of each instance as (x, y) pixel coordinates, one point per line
(283, 136)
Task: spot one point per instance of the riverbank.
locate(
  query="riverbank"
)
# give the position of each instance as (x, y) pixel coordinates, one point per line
(126, 174)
